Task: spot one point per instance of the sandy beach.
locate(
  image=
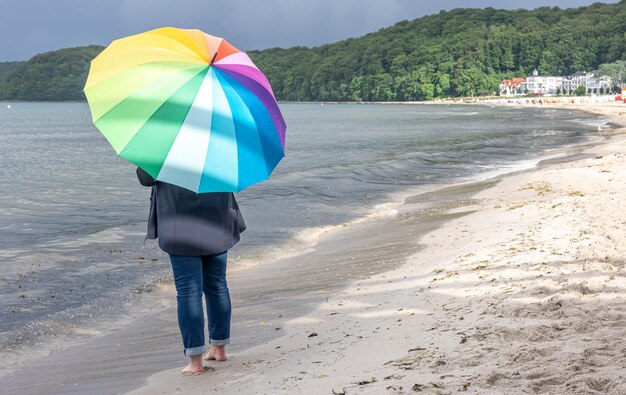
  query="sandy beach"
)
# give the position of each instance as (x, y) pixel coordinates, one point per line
(523, 293)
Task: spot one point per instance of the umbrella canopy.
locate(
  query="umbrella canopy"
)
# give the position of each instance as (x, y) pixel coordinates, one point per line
(188, 108)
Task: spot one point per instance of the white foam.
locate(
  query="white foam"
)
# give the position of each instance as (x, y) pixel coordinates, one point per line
(304, 240)
(501, 170)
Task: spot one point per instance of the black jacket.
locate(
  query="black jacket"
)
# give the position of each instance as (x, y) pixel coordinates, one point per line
(191, 224)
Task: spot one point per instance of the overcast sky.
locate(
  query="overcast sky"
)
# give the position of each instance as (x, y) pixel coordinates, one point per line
(28, 27)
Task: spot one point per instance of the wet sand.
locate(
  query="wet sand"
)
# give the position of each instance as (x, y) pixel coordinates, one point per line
(265, 298)
(523, 292)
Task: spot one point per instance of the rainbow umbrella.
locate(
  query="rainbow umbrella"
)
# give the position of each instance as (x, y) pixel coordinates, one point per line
(188, 108)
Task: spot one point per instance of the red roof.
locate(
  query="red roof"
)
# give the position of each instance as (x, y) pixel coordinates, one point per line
(515, 83)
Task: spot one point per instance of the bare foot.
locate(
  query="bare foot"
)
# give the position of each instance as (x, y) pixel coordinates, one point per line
(216, 353)
(194, 367)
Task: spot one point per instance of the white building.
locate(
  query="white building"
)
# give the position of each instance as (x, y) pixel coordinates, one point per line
(591, 83)
(542, 85)
(545, 85)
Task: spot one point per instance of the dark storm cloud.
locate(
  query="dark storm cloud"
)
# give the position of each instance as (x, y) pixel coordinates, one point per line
(28, 27)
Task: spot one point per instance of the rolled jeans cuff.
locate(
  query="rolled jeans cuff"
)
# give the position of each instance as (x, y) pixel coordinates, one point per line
(195, 351)
(219, 342)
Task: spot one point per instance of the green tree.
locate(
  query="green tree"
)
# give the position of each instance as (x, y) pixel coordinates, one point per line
(355, 89)
(7, 69)
(580, 91)
(57, 75)
(471, 82)
(427, 91)
(550, 64)
(615, 71)
(442, 86)
(407, 87)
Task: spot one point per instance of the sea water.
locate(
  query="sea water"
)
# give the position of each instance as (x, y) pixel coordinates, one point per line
(73, 216)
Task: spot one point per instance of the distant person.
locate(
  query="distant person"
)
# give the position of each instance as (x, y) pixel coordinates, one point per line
(196, 230)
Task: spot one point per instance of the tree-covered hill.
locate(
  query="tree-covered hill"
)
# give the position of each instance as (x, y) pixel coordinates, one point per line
(463, 52)
(457, 53)
(8, 68)
(57, 75)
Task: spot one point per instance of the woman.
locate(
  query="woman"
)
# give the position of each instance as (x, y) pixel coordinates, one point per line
(196, 230)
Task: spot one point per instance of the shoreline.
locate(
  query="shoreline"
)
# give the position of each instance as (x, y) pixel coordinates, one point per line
(463, 276)
(268, 331)
(155, 337)
(600, 105)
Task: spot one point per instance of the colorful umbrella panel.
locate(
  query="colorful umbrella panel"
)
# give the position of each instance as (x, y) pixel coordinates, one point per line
(188, 108)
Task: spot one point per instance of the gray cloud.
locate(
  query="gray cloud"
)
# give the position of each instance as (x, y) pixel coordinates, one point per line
(28, 27)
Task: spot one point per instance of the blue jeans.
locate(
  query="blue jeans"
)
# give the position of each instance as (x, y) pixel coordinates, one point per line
(195, 276)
